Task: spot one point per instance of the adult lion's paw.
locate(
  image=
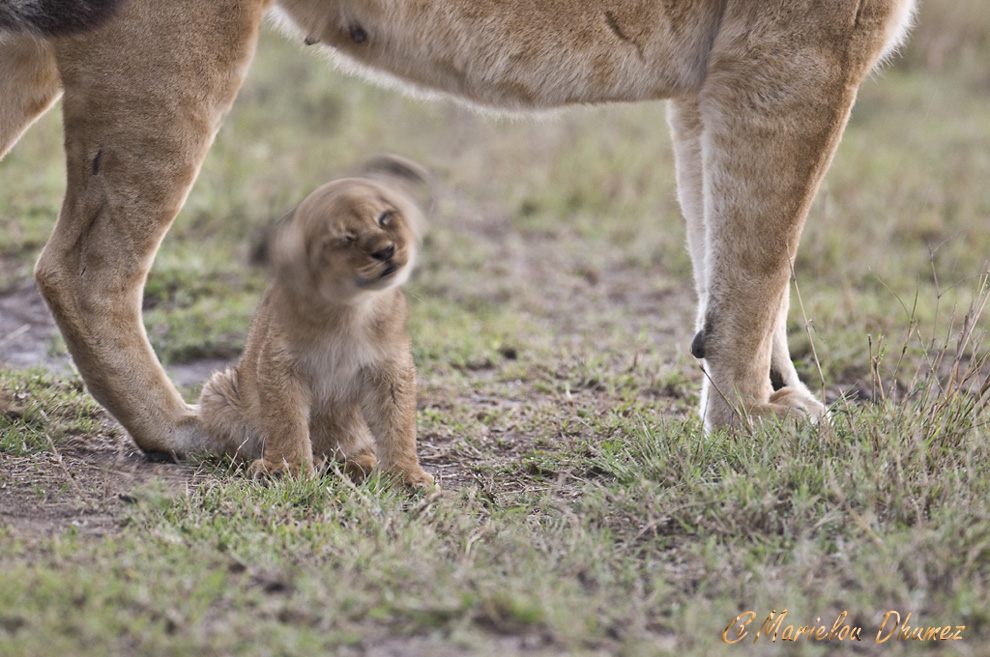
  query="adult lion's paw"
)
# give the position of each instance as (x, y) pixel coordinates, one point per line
(784, 405)
(799, 403)
(790, 403)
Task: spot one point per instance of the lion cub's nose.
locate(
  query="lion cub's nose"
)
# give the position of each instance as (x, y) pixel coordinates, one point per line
(384, 254)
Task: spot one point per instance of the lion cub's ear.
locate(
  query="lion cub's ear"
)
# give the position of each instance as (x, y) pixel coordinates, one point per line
(263, 239)
(409, 176)
(396, 168)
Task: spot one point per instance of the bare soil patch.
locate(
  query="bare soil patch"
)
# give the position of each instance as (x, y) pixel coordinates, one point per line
(27, 330)
(85, 483)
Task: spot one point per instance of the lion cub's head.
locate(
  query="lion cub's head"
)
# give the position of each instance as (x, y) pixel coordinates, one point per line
(348, 238)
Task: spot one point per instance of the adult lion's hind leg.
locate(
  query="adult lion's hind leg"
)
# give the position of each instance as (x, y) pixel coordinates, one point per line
(143, 98)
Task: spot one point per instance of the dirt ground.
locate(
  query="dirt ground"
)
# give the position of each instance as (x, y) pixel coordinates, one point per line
(27, 330)
(85, 482)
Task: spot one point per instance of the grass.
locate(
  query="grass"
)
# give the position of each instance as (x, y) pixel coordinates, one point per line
(35, 409)
(583, 510)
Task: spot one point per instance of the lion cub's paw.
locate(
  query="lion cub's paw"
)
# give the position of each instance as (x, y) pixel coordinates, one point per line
(267, 469)
(418, 478)
(358, 468)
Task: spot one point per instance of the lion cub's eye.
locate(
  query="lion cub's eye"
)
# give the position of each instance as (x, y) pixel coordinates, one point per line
(385, 218)
(347, 240)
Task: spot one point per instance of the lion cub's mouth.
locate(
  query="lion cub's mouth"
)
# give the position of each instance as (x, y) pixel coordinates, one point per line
(382, 279)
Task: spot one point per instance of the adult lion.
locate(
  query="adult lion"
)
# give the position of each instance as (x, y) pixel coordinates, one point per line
(760, 93)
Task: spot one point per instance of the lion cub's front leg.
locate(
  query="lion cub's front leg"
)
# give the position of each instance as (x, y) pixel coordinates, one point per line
(389, 406)
(283, 416)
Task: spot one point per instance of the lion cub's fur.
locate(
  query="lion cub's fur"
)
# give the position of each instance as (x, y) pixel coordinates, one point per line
(327, 371)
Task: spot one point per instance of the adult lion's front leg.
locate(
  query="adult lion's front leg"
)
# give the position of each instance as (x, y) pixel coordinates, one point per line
(752, 147)
(143, 99)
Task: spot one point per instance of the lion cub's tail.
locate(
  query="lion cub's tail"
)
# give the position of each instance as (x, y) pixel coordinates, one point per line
(54, 17)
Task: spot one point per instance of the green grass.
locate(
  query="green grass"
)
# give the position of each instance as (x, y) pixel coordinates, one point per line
(584, 511)
(34, 410)
(630, 535)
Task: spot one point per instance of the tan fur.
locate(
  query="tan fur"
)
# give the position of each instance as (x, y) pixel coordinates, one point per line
(327, 371)
(29, 84)
(760, 91)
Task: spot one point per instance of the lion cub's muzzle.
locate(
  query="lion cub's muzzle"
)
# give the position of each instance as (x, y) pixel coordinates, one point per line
(386, 261)
(385, 256)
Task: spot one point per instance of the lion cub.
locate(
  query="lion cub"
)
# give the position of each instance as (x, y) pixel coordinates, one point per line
(327, 371)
